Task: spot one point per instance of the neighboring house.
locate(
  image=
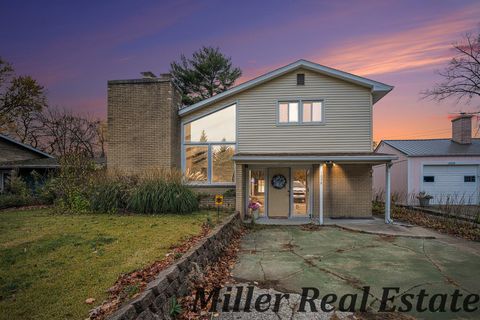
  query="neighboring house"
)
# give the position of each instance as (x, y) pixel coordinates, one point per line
(447, 169)
(297, 140)
(18, 156)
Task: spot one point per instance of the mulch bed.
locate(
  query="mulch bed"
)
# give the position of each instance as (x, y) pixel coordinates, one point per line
(450, 226)
(456, 228)
(137, 280)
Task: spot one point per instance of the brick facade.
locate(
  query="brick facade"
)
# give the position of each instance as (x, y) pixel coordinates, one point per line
(143, 125)
(347, 190)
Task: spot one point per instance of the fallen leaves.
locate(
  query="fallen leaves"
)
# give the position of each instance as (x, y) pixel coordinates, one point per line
(216, 275)
(449, 226)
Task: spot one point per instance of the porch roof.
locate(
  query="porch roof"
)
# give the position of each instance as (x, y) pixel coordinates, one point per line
(365, 157)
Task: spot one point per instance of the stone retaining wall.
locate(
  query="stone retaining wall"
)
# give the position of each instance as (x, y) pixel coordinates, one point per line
(154, 303)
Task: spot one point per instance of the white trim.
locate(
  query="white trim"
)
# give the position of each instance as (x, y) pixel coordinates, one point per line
(320, 195)
(316, 158)
(378, 89)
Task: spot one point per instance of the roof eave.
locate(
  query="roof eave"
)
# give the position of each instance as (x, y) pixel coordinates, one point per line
(316, 158)
(26, 146)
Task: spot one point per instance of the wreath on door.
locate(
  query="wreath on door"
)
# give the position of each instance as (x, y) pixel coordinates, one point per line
(279, 181)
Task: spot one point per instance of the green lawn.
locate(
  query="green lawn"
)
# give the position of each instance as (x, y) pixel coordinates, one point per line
(49, 264)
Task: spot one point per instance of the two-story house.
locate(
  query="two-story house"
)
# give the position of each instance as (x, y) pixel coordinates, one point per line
(296, 140)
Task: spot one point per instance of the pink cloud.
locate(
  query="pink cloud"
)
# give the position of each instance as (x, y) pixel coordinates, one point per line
(423, 46)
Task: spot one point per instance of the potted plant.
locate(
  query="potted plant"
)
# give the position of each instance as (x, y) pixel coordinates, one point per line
(254, 205)
(424, 199)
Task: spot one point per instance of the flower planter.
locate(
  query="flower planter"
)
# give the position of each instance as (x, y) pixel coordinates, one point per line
(424, 202)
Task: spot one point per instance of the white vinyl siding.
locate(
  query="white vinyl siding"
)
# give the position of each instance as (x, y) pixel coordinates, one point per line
(346, 125)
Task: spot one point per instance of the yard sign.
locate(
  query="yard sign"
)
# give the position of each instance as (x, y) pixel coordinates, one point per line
(218, 200)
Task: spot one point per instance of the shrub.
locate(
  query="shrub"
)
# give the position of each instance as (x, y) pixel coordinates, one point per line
(15, 200)
(110, 194)
(160, 195)
(17, 186)
(73, 183)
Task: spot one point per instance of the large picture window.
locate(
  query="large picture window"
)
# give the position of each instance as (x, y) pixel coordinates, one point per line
(209, 146)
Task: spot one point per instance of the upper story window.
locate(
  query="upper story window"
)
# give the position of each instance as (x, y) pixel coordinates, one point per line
(208, 147)
(298, 112)
(288, 112)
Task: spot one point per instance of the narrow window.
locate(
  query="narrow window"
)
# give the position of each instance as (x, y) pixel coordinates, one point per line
(283, 112)
(293, 112)
(300, 79)
(288, 112)
(428, 179)
(312, 111)
(468, 178)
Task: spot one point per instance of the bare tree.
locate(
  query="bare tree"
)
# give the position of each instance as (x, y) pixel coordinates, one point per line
(461, 77)
(64, 132)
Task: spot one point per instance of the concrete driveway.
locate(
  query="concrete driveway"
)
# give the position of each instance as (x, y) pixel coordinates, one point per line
(334, 260)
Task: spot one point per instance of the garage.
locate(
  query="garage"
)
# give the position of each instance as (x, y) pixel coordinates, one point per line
(451, 183)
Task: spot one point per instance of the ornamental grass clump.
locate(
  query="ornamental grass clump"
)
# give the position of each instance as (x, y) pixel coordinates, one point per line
(162, 194)
(110, 193)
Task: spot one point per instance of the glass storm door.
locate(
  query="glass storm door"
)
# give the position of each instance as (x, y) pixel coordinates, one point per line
(300, 192)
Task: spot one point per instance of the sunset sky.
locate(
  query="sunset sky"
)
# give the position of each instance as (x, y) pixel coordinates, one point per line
(74, 47)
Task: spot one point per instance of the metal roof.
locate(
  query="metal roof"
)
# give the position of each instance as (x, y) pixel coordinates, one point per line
(378, 89)
(435, 147)
(26, 146)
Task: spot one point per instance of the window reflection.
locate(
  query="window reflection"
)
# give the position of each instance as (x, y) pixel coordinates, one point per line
(215, 127)
(222, 164)
(196, 163)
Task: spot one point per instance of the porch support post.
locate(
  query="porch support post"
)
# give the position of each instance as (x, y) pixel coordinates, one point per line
(320, 216)
(388, 197)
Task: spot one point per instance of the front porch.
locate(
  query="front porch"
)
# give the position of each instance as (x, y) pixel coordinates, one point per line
(299, 189)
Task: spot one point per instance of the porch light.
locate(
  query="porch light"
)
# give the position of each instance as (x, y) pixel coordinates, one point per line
(329, 162)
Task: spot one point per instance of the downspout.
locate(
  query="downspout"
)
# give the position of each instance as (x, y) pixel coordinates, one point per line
(388, 167)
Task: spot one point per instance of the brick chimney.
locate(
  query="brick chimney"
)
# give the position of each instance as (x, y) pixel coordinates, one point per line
(462, 129)
(143, 124)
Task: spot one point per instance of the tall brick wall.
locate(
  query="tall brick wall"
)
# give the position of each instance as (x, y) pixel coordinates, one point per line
(143, 125)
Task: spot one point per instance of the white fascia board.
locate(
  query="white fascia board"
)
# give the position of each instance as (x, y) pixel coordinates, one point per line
(315, 158)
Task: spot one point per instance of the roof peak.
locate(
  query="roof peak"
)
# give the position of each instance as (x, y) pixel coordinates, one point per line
(378, 89)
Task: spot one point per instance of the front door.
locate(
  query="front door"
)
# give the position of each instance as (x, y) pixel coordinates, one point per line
(279, 192)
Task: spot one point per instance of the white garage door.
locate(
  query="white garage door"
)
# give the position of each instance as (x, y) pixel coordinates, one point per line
(455, 183)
